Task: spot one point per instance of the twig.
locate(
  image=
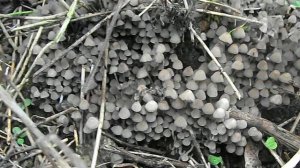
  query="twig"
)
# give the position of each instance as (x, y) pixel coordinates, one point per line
(27, 26)
(67, 6)
(237, 93)
(53, 117)
(222, 5)
(229, 16)
(293, 161)
(158, 162)
(22, 57)
(275, 155)
(66, 22)
(109, 30)
(287, 122)
(283, 136)
(82, 80)
(10, 41)
(101, 116)
(296, 122)
(198, 149)
(55, 16)
(147, 8)
(118, 141)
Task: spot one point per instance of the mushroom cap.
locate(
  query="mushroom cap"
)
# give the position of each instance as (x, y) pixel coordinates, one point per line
(196, 113)
(217, 51)
(230, 123)
(137, 117)
(142, 73)
(163, 105)
(236, 137)
(226, 38)
(187, 96)
(142, 126)
(180, 121)
(116, 130)
(253, 52)
(197, 104)
(212, 90)
(219, 113)
(238, 33)
(233, 49)
(126, 133)
(199, 75)
(177, 64)
(237, 65)
(275, 74)
(276, 99)
(136, 106)
(223, 103)
(217, 77)
(188, 71)
(68, 74)
(51, 73)
(241, 124)
(164, 75)
(89, 42)
(170, 93)
(124, 113)
(122, 67)
(285, 77)
(221, 129)
(178, 104)
(151, 106)
(175, 38)
(92, 123)
(230, 148)
(161, 48)
(262, 65)
(208, 109)
(192, 85)
(146, 57)
(276, 56)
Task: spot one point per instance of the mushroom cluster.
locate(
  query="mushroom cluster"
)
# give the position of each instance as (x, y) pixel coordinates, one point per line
(152, 94)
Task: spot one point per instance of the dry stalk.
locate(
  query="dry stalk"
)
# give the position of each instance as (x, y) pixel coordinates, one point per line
(198, 149)
(37, 37)
(109, 30)
(293, 161)
(296, 122)
(220, 4)
(229, 16)
(19, 65)
(10, 41)
(147, 8)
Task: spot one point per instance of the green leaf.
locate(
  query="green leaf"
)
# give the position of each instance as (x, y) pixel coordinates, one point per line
(20, 13)
(27, 102)
(296, 3)
(215, 160)
(271, 143)
(20, 141)
(16, 130)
